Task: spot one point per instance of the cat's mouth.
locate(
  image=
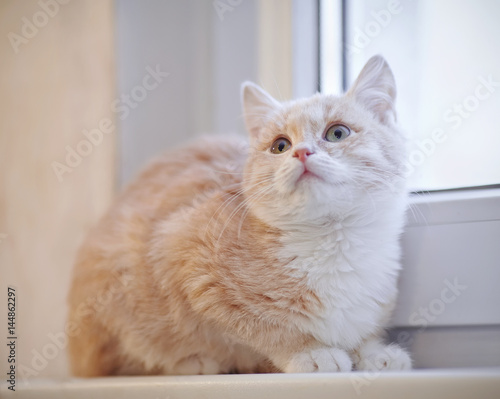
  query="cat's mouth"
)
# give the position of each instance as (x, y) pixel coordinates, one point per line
(308, 174)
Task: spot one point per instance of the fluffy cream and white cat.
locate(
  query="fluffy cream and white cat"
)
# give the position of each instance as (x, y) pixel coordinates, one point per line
(280, 254)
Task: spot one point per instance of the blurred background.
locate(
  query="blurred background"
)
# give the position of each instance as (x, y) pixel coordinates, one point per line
(92, 89)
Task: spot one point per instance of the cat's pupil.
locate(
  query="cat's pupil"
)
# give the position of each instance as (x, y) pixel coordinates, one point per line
(338, 133)
(280, 146)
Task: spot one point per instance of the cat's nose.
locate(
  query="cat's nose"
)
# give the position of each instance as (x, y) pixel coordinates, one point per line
(302, 153)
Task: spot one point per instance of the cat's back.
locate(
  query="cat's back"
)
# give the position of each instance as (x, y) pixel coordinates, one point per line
(185, 174)
(179, 178)
(200, 171)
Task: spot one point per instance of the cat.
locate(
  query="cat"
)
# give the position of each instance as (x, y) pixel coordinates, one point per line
(280, 254)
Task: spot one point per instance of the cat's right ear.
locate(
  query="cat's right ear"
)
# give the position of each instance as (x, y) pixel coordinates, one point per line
(375, 88)
(258, 105)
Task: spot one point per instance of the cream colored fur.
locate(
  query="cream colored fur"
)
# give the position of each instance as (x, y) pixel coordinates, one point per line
(225, 257)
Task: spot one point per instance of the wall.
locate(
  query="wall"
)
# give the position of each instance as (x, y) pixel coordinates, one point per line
(56, 79)
(207, 51)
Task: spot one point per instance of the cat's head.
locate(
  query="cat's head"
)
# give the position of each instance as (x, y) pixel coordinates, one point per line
(325, 154)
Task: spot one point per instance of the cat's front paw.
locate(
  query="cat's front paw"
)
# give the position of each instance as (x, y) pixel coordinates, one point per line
(195, 364)
(383, 357)
(322, 360)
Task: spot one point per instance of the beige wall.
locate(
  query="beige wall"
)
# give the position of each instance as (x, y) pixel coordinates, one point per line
(56, 80)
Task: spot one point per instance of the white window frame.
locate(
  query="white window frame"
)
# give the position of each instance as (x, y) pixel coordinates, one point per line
(331, 56)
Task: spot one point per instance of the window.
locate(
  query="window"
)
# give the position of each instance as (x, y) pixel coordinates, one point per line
(444, 55)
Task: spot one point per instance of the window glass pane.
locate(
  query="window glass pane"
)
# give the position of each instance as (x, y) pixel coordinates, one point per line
(445, 56)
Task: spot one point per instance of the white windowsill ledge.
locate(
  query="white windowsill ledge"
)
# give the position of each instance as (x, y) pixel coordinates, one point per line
(457, 384)
(450, 207)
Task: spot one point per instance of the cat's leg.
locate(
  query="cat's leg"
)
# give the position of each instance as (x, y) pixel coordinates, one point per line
(321, 360)
(374, 355)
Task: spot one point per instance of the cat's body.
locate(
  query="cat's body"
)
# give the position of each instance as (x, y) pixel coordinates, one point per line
(225, 256)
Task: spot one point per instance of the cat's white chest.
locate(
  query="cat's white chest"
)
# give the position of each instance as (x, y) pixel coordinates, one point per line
(353, 282)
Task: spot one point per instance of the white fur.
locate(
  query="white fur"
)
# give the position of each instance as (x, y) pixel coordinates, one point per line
(352, 267)
(374, 356)
(325, 360)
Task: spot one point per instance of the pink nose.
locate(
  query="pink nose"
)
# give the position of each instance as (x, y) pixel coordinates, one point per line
(302, 154)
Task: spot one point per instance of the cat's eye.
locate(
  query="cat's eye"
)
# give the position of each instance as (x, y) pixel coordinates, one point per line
(337, 133)
(280, 146)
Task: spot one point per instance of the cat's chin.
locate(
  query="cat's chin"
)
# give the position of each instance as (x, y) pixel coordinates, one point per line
(317, 187)
(316, 198)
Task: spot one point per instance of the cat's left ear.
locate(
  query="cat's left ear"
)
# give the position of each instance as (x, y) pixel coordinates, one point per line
(375, 88)
(258, 105)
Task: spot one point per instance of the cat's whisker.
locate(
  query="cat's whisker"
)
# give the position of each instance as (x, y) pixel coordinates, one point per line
(244, 173)
(280, 98)
(221, 208)
(235, 196)
(417, 213)
(416, 208)
(353, 179)
(381, 178)
(267, 117)
(244, 203)
(248, 207)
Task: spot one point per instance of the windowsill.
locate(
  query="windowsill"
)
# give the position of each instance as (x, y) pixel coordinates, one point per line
(482, 383)
(454, 206)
